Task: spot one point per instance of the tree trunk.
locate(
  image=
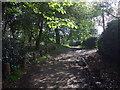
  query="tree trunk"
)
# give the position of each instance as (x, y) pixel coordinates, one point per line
(103, 20)
(30, 40)
(23, 63)
(7, 69)
(34, 56)
(39, 36)
(4, 29)
(57, 36)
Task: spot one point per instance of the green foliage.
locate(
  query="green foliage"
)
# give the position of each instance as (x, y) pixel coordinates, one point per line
(90, 43)
(67, 45)
(28, 24)
(13, 52)
(99, 7)
(15, 76)
(59, 48)
(109, 42)
(78, 43)
(40, 59)
(56, 50)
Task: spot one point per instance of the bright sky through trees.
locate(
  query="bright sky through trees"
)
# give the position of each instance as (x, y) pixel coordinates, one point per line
(100, 29)
(114, 4)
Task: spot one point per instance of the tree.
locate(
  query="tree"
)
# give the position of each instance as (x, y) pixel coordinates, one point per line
(81, 13)
(103, 9)
(108, 43)
(30, 25)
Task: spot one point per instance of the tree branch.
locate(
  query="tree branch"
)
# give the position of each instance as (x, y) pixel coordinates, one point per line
(113, 15)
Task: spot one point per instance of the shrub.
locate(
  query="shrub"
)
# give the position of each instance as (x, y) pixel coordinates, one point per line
(15, 76)
(90, 43)
(75, 43)
(13, 52)
(109, 41)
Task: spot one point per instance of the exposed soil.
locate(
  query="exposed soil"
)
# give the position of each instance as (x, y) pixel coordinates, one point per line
(73, 68)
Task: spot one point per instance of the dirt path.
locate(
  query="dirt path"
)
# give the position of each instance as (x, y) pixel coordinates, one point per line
(69, 69)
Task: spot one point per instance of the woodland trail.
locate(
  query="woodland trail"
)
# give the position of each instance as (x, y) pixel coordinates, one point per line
(69, 69)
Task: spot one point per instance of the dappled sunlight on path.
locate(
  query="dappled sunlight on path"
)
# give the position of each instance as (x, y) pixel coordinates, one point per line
(66, 70)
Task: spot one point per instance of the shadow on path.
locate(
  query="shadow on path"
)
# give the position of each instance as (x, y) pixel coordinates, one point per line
(66, 70)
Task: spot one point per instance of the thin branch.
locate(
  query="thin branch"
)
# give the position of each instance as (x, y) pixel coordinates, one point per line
(112, 14)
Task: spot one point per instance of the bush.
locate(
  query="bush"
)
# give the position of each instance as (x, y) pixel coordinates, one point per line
(13, 52)
(90, 43)
(75, 43)
(15, 76)
(110, 41)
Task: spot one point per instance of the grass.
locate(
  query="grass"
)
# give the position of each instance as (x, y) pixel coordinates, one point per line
(60, 48)
(40, 59)
(67, 45)
(57, 50)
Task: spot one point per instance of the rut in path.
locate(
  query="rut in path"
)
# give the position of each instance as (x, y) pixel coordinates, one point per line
(66, 70)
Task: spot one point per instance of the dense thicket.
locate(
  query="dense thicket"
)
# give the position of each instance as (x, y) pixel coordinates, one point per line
(109, 41)
(90, 43)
